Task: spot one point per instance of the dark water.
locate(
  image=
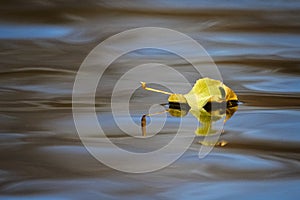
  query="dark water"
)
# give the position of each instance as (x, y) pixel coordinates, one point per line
(256, 45)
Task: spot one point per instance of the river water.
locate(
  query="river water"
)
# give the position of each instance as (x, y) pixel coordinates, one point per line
(256, 46)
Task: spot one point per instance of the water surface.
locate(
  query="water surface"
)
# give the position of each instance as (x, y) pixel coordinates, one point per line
(256, 45)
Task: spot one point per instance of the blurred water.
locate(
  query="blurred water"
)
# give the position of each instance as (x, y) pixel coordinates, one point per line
(256, 45)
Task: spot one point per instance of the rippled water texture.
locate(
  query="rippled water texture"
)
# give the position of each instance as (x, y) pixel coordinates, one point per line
(255, 44)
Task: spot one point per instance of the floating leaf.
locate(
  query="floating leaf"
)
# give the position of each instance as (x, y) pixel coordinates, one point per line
(203, 95)
(208, 90)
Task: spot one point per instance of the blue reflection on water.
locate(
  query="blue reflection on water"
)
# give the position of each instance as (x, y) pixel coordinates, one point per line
(237, 189)
(32, 31)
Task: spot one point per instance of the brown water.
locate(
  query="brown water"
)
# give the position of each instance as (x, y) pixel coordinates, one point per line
(256, 45)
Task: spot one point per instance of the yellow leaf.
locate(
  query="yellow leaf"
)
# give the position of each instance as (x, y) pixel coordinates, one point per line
(204, 91)
(208, 90)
